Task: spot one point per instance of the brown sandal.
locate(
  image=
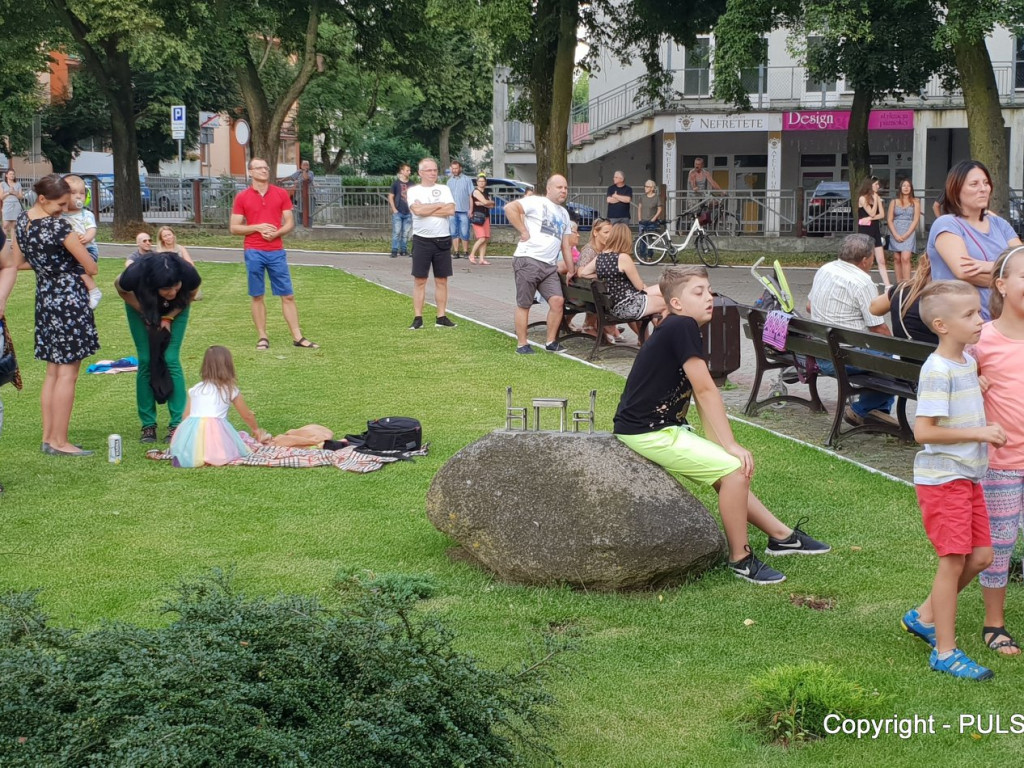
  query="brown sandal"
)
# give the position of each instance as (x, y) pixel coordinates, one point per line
(305, 343)
(263, 343)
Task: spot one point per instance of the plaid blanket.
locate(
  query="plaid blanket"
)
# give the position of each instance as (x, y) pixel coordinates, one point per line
(347, 459)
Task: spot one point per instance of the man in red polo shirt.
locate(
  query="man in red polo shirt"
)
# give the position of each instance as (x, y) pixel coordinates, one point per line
(263, 213)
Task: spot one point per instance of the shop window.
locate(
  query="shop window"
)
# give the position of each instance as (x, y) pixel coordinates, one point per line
(750, 161)
(697, 73)
(819, 161)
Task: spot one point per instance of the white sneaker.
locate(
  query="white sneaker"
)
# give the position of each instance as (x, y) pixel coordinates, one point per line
(94, 297)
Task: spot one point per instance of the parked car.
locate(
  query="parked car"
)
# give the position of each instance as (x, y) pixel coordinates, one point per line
(506, 190)
(828, 210)
(106, 191)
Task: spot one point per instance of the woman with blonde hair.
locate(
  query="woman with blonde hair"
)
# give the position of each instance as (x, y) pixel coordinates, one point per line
(902, 305)
(631, 298)
(167, 242)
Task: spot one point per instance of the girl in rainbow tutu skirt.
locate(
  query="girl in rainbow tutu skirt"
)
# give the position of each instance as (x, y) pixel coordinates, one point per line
(206, 436)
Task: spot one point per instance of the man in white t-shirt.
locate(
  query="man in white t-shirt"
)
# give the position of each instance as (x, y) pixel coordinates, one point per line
(841, 295)
(543, 226)
(431, 205)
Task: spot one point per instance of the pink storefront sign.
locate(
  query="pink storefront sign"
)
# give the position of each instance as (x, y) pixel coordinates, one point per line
(835, 120)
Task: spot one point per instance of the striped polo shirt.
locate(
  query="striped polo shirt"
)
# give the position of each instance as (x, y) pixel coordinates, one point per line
(949, 391)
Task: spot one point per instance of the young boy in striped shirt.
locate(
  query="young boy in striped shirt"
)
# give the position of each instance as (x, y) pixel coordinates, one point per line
(950, 425)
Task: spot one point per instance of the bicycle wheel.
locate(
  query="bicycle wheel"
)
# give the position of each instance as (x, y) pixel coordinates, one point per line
(727, 224)
(707, 251)
(650, 248)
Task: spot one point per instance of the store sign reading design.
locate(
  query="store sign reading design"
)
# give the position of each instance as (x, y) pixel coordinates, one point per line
(835, 120)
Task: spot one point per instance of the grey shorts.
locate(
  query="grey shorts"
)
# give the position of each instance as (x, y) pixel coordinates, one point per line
(532, 276)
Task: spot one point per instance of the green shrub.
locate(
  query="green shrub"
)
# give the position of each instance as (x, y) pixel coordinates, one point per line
(240, 681)
(788, 704)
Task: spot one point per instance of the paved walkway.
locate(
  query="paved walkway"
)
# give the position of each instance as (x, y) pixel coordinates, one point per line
(487, 295)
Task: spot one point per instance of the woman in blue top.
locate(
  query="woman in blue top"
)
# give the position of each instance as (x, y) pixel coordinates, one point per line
(966, 240)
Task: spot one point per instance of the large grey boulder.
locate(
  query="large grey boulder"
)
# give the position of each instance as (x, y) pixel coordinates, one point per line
(566, 508)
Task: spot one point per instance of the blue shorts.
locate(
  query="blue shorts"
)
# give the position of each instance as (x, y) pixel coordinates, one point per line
(276, 265)
(458, 225)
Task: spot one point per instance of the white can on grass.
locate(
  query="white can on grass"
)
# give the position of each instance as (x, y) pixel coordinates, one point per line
(114, 449)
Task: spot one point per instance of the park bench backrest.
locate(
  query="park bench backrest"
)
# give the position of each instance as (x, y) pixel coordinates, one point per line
(889, 356)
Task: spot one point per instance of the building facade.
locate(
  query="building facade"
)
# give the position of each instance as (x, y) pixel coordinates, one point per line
(775, 154)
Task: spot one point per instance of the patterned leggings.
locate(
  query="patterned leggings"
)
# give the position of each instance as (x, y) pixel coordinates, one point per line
(1004, 497)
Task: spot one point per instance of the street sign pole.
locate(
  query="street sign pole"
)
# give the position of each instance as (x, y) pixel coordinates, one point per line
(178, 132)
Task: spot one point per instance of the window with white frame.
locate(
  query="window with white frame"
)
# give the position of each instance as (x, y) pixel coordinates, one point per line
(697, 72)
(1018, 60)
(755, 79)
(813, 85)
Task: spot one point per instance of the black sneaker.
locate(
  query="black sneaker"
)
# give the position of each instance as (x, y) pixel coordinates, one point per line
(456, 255)
(170, 434)
(394, 254)
(148, 434)
(753, 570)
(798, 543)
(444, 322)
(526, 349)
(417, 323)
(554, 346)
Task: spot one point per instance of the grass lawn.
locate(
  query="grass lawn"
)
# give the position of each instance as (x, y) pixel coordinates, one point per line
(657, 678)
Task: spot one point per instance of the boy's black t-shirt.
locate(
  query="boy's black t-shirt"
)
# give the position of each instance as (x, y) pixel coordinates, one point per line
(657, 391)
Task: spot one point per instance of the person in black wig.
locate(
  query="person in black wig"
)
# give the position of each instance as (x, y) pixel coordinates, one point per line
(158, 290)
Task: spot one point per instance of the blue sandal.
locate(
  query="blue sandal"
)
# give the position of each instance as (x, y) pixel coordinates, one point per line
(960, 665)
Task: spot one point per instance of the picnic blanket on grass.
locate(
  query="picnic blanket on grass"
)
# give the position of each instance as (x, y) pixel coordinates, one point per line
(347, 458)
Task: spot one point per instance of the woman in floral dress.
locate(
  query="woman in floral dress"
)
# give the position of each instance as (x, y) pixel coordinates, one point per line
(65, 327)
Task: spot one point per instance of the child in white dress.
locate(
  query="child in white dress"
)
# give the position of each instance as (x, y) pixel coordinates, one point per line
(206, 436)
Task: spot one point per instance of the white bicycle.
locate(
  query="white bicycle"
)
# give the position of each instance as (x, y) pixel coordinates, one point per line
(653, 247)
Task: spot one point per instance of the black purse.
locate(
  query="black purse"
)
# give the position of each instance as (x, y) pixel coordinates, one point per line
(9, 373)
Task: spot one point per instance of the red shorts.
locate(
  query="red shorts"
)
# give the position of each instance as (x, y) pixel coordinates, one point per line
(955, 516)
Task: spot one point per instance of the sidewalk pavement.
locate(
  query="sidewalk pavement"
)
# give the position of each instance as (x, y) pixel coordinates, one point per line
(487, 295)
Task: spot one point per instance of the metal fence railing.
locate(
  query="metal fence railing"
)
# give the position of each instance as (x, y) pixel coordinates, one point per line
(792, 212)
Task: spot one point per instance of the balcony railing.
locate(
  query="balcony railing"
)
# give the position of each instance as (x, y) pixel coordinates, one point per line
(769, 88)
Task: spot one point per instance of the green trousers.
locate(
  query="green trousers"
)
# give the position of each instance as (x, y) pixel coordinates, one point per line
(143, 391)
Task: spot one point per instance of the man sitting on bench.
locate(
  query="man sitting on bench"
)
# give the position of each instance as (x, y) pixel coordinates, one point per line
(841, 295)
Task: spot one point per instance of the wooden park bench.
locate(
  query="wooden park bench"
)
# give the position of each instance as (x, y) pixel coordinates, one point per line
(886, 364)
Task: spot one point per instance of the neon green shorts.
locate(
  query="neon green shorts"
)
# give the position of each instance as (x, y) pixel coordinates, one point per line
(685, 455)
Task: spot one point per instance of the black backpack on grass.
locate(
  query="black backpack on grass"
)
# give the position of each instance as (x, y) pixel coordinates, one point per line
(392, 433)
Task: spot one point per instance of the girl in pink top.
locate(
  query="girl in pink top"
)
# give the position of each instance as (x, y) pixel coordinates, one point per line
(1000, 356)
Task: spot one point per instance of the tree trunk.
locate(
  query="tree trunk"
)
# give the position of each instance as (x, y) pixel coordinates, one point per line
(443, 149)
(858, 149)
(111, 69)
(986, 132)
(128, 220)
(551, 85)
(266, 122)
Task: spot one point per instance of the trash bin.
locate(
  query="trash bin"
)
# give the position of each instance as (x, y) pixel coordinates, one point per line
(722, 339)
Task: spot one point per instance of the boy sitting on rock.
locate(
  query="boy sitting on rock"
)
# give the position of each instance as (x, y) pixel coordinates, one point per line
(651, 420)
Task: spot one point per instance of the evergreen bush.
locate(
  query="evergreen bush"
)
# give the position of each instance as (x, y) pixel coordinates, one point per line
(240, 681)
